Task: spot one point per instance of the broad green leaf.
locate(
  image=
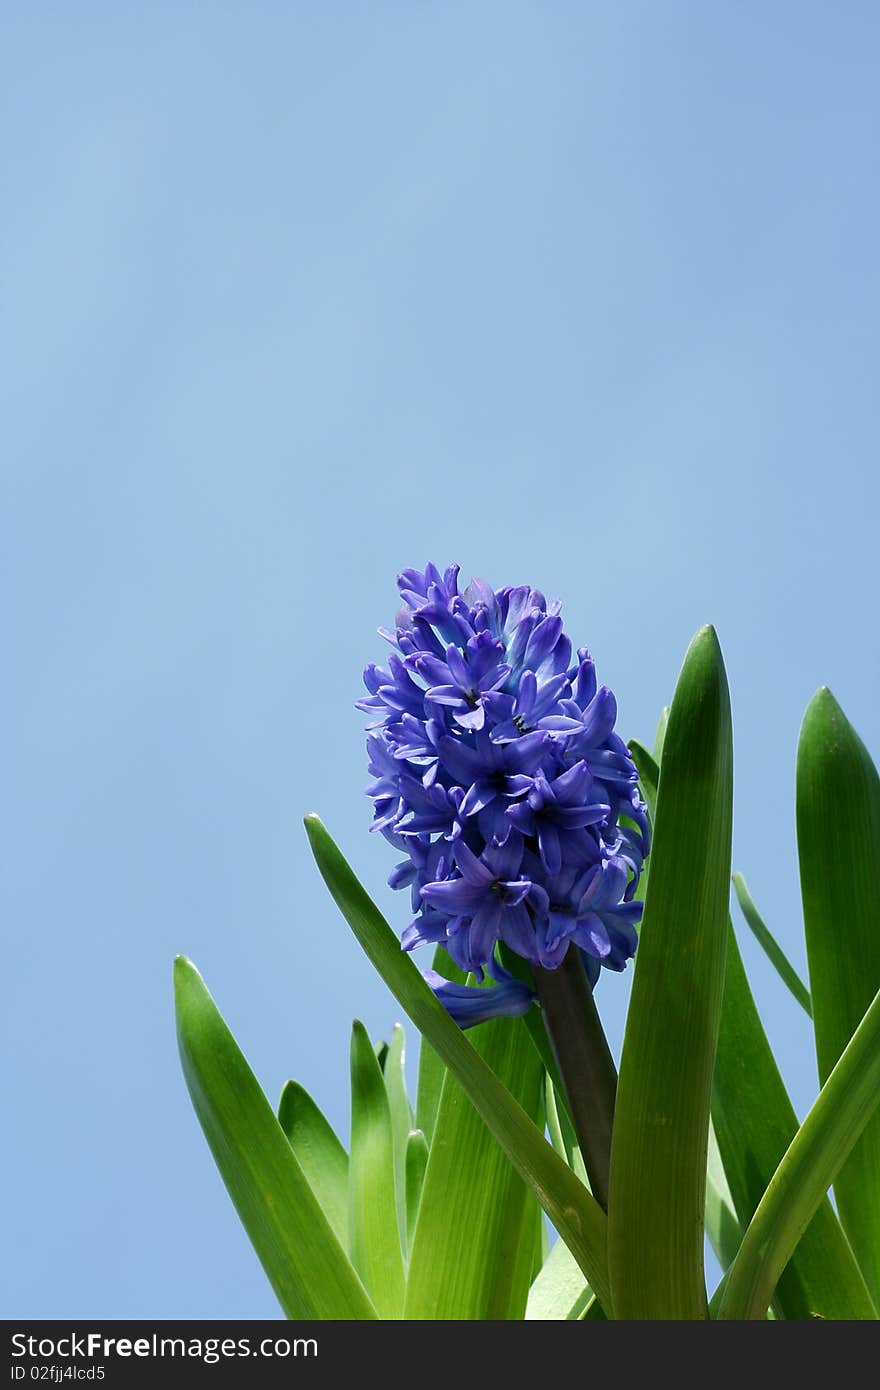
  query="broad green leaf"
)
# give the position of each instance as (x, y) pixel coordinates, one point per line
(838, 1117)
(720, 1220)
(838, 821)
(374, 1237)
(401, 1119)
(306, 1265)
(770, 946)
(661, 1124)
(576, 1215)
(754, 1123)
(463, 1264)
(319, 1154)
(416, 1163)
(560, 1292)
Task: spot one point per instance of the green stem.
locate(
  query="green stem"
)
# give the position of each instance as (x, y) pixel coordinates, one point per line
(585, 1064)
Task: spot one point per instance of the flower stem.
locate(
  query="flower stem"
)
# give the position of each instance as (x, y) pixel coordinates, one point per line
(584, 1061)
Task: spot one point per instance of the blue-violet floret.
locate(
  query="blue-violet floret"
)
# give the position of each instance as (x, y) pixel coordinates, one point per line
(499, 778)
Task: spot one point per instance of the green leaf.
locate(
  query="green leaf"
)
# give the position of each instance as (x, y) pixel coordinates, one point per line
(554, 1127)
(431, 1069)
(533, 1248)
(661, 1124)
(401, 1119)
(576, 1215)
(463, 1264)
(838, 1117)
(306, 1265)
(430, 1084)
(648, 770)
(560, 1292)
(660, 736)
(416, 1163)
(755, 1122)
(319, 1153)
(770, 946)
(838, 821)
(721, 1222)
(373, 1232)
(649, 777)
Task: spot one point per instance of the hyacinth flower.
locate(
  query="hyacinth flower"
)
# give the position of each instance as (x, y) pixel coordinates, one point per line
(504, 749)
(528, 868)
(535, 817)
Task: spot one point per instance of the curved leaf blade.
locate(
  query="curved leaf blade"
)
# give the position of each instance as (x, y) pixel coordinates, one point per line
(843, 1108)
(755, 1122)
(374, 1235)
(770, 946)
(661, 1122)
(319, 1153)
(838, 822)
(576, 1215)
(307, 1267)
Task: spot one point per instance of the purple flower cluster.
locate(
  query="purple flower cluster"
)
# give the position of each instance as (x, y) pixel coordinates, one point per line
(499, 776)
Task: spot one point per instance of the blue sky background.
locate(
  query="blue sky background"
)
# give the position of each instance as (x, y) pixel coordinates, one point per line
(295, 295)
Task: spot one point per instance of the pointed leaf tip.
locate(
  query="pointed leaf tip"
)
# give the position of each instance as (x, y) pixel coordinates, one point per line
(661, 1122)
(823, 709)
(184, 974)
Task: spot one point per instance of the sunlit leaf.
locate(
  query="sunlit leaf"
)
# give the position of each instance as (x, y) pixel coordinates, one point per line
(306, 1265)
(319, 1154)
(661, 1124)
(843, 1108)
(770, 946)
(464, 1264)
(755, 1122)
(838, 821)
(374, 1235)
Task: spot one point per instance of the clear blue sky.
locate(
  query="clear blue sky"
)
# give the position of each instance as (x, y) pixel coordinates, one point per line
(295, 295)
